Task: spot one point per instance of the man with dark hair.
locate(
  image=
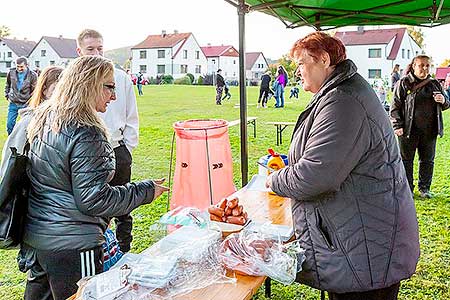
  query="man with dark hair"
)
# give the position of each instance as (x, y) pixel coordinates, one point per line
(20, 84)
(220, 83)
(122, 121)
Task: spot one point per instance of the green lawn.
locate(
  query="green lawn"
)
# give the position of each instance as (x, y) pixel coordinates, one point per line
(161, 106)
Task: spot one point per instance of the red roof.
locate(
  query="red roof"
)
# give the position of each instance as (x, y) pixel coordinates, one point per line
(162, 40)
(372, 37)
(216, 51)
(441, 73)
(250, 59)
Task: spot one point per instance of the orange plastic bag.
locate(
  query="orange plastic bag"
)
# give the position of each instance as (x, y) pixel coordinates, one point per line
(204, 167)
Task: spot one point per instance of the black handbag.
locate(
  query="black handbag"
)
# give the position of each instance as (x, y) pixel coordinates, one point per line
(14, 191)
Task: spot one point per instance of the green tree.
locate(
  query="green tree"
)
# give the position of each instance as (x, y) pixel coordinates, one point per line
(417, 34)
(4, 31)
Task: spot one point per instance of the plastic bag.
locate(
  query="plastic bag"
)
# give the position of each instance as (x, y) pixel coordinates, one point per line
(256, 254)
(185, 216)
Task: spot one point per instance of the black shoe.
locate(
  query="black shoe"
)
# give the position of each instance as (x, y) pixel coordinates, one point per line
(425, 194)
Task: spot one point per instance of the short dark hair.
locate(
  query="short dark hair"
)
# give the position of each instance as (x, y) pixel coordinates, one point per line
(22, 60)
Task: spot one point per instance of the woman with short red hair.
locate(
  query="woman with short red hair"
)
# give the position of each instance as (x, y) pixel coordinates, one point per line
(352, 208)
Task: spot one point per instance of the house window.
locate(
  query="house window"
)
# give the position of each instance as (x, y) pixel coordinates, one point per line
(198, 69)
(417, 53)
(183, 69)
(214, 61)
(161, 69)
(9, 54)
(197, 54)
(37, 64)
(408, 54)
(184, 53)
(142, 54)
(8, 64)
(43, 53)
(143, 68)
(374, 73)
(375, 53)
(403, 53)
(234, 62)
(52, 62)
(161, 54)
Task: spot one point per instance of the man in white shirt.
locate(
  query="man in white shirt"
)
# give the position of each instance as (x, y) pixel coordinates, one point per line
(122, 121)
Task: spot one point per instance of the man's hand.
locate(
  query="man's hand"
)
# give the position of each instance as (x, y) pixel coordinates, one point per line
(159, 189)
(398, 132)
(439, 98)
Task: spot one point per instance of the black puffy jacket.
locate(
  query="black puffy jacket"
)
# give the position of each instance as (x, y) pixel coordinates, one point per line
(70, 200)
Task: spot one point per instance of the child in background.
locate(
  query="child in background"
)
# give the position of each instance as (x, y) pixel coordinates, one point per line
(227, 92)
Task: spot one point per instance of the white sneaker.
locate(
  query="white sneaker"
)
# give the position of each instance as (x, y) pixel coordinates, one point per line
(258, 106)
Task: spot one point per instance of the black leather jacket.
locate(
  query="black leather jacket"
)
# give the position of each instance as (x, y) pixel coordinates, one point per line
(402, 108)
(70, 200)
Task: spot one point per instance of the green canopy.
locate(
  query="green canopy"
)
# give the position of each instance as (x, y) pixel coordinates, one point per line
(330, 14)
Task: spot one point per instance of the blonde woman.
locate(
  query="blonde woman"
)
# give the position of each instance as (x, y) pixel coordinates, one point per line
(70, 200)
(44, 88)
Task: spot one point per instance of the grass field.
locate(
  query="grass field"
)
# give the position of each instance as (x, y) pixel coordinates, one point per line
(161, 106)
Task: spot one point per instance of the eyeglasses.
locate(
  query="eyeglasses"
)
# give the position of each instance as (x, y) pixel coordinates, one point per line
(110, 87)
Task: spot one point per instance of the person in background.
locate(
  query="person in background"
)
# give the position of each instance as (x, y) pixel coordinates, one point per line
(279, 85)
(139, 82)
(395, 76)
(71, 200)
(264, 89)
(20, 84)
(352, 209)
(226, 92)
(18, 137)
(294, 92)
(220, 83)
(416, 114)
(121, 119)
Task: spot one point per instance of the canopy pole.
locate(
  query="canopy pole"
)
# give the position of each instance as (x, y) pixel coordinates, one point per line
(242, 10)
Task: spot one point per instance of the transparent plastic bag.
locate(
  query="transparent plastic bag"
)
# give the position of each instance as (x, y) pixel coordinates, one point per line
(257, 254)
(185, 216)
(182, 261)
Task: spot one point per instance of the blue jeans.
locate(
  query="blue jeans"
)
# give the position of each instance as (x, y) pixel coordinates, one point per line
(139, 87)
(13, 112)
(279, 96)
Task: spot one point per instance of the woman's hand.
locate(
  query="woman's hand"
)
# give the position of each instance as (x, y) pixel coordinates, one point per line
(159, 189)
(398, 132)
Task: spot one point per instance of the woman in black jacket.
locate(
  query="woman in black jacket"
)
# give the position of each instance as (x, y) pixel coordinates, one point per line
(416, 114)
(70, 200)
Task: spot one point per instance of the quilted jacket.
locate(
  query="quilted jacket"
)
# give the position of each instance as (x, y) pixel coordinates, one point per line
(352, 208)
(70, 200)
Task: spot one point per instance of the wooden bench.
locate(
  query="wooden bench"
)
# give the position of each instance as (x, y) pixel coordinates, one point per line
(250, 120)
(281, 126)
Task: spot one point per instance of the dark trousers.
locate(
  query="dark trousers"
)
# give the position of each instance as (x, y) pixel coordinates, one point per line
(55, 274)
(264, 95)
(426, 147)
(389, 293)
(219, 91)
(124, 224)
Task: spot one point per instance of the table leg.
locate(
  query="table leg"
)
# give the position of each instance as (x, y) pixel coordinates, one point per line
(278, 134)
(267, 288)
(254, 129)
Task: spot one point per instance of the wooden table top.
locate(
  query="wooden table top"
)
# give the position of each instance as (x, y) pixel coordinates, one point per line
(261, 207)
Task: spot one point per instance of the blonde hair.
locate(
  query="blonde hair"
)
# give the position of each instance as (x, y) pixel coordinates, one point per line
(88, 33)
(48, 76)
(74, 100)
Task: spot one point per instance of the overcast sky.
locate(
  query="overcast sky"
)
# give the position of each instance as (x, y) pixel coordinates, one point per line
(126, 23)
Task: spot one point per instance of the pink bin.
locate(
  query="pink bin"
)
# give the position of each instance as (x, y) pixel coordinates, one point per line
(204, 167)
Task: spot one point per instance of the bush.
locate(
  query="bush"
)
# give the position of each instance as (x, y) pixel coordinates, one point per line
(186, 80)
(200, 80)
(191, 77)
(152, 80)
(208, 79)
(164, 79)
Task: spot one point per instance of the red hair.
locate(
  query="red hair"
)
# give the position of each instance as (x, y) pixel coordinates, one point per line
(318, 42)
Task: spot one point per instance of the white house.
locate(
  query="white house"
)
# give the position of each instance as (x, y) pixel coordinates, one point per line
(176, 54)
(375, 52)
(53, 51)
(255, 65)
(222, 57)
(10, 50)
